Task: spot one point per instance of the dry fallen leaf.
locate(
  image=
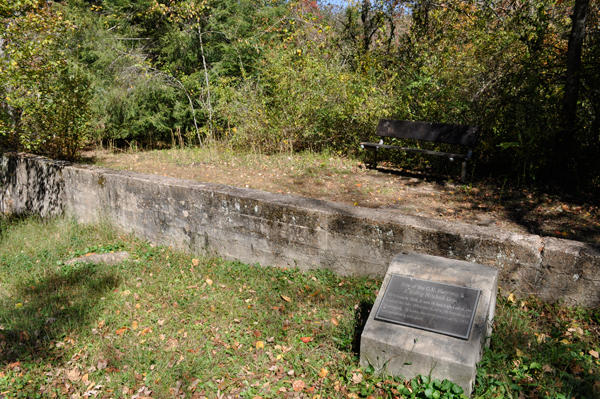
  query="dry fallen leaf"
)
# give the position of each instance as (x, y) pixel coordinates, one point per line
(576, 369)
(259, 344)
(286, 298)
(357, 378)
(14, 365)
(121, 331)
(298, 385)
(593, 353)
(541, 338)
(334, 321)
(73, 375)
(134, 325)
(172, 343)
(519, 353)
(209, 281)
(306, 340)
(195, 262)
(146, 330)
(323, 373)
(102, 364)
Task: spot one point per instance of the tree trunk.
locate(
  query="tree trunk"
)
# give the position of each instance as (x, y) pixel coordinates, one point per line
(366, 8)
(580, 13)
(565, 139)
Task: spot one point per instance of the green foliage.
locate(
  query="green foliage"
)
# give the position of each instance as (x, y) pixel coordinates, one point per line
(291, 76)
(303, 96)
(44, 106)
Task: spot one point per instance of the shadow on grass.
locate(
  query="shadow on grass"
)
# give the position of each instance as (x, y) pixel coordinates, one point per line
(46, 311)
(361, 315)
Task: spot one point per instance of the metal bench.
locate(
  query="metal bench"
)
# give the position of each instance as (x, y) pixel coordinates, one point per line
(462, 135)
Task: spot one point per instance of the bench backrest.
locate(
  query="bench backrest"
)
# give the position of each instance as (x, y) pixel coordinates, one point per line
(427, 131)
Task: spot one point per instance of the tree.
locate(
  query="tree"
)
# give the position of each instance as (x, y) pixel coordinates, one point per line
(564, 142)
(44, 105)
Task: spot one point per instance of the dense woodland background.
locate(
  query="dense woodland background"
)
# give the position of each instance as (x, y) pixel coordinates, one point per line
(276, 75)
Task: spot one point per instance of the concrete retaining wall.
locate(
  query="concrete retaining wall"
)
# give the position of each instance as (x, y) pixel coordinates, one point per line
(283, 230)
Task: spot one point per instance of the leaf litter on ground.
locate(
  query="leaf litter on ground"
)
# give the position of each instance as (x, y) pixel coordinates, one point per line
(113, 334)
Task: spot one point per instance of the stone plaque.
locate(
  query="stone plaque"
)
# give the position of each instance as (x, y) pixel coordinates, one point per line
(428, 305)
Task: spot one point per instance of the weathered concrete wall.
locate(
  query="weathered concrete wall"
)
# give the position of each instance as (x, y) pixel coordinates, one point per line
(283, 230)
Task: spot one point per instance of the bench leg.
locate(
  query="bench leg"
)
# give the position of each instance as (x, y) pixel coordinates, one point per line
(463, 174)
(373, 161)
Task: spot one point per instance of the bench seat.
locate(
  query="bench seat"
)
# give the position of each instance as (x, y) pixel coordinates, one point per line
(462, 135)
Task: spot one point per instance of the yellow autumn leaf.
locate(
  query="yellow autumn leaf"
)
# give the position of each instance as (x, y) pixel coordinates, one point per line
(566, 342)
(286, 298)
(323, 373)
(134, 325)
(519, 353)
(259, 344)
(195, 262)
(209, 281)
(511, 298)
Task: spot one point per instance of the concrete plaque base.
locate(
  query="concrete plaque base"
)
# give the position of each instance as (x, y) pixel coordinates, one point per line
(399, 350)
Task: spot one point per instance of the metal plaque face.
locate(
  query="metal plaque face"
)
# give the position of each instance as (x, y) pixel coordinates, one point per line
(428, 305)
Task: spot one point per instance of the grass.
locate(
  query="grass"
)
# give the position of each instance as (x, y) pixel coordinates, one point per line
(166, 324)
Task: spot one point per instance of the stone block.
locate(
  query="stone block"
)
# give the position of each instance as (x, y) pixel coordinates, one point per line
(406, 351)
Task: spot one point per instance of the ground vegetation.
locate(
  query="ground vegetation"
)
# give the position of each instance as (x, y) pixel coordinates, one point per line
(167, 324)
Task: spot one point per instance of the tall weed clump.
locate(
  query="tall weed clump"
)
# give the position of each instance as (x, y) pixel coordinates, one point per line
(305, 96)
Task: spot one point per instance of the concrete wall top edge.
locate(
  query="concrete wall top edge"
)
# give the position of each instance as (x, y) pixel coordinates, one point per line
(281, 229)
(327, 207)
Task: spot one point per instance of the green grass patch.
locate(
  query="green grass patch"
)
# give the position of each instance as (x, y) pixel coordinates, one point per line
(166, 324)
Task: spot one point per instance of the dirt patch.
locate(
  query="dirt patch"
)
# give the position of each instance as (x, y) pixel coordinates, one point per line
(333, 178)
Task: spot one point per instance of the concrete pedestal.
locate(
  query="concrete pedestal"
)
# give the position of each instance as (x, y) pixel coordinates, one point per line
(395, 349)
